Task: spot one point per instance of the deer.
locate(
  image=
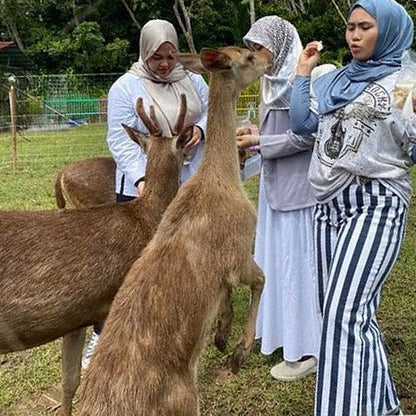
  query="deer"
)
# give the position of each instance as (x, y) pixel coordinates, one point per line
(147, 358)
(91, 181)
(60, 269)
(86, 183)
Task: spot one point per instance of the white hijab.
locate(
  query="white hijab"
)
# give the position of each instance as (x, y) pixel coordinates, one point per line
(281, 38)
(165, 92)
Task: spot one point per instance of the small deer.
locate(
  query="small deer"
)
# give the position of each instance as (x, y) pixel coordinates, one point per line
(60, 270)
(86, 183)
(90, 182)
(146, 360)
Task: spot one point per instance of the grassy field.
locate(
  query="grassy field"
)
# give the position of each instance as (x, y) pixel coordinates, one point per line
(29, 381)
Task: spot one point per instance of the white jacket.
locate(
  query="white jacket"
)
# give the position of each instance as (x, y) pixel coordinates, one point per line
(129, 157)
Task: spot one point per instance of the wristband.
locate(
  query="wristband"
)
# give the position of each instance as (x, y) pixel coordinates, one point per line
(202, 131)
(142, 179)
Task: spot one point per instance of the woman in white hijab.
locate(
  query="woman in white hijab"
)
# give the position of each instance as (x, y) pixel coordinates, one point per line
(160, 81)
(288, 313)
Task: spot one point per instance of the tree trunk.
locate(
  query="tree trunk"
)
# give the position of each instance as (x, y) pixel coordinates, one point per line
(80, 17)
(339, 11)
(131, 14)
(15, 34)
(186, 24)
(296, 6)
(252, 12)
(74, 13)
(291, 5)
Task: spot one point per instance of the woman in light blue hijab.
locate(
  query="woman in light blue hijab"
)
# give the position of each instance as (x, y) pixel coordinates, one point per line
(395, 35)
(359, 172)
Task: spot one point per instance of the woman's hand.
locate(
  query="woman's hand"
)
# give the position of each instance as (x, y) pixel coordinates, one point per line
(309, 58)
(196, 137)
(193, 143)
(191, 146)
(247, 140)
(243, 130)
(140, 187)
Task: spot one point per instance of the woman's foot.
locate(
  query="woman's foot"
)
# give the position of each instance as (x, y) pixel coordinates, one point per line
(290, 371)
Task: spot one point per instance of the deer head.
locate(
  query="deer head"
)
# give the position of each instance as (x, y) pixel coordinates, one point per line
(181, 134)
(243, 66)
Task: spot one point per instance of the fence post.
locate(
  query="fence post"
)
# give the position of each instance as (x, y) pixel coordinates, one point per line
(13, 120)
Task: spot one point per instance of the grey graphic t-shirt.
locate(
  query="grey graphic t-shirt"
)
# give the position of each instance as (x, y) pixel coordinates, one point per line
(367, 139)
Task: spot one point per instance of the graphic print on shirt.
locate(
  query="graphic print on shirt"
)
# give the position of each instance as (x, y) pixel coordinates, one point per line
(333, 146)
(358, 119)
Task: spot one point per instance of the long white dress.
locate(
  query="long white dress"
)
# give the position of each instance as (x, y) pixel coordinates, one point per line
(288, 315)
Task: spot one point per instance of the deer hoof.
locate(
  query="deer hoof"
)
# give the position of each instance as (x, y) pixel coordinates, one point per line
(220, 342)
(236, 360)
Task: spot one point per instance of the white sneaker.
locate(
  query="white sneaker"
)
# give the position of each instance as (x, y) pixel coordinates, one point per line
(86, 358)
(290, 371)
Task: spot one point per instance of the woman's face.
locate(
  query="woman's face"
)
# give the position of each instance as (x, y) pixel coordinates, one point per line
(161, 63)
(261, 49)
(361, 34)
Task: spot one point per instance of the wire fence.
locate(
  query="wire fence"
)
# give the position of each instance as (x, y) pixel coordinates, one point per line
(65, 115)
(52, 102)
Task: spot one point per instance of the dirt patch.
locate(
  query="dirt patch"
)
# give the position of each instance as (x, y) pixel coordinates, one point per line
(47, 404)
(223, 375)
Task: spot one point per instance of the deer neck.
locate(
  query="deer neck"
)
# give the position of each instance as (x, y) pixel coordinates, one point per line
(162, 184)
(220, 148)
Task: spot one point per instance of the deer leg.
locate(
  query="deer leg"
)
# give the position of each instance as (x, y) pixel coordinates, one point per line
(72, 345)
(224, 322)
(254, 278)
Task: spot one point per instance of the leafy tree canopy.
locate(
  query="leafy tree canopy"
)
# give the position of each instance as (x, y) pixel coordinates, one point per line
(86, 36)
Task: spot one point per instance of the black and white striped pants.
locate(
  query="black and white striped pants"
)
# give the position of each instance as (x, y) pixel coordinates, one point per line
(358, 236)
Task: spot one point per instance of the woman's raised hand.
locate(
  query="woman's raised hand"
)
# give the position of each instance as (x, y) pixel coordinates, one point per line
(309, 58)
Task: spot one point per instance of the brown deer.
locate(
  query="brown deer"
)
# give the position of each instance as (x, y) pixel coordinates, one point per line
(90, 182)
(86, 183)
(146, 361)
(60, 270)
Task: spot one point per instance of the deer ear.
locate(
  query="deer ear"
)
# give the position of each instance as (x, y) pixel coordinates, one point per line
(190, 61)
(213, 59)
(184, 137)
(141, 139)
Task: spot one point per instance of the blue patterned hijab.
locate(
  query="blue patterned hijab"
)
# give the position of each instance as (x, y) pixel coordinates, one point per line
(395, 36)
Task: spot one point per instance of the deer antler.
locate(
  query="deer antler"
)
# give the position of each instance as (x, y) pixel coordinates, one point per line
(181, 116)
(150, 123)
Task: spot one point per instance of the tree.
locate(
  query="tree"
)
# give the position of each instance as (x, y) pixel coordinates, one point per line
(107, 32)
(337, 8)
(131, 14)
(80, 14)
(11, 19)
(252, 11)
(184, 20)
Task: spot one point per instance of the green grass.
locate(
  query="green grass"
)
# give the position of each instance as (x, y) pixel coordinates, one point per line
(39, 157)
(30, 380)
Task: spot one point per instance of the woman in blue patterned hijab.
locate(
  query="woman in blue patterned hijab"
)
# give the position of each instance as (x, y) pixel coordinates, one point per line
(359, 172)
(395, 36)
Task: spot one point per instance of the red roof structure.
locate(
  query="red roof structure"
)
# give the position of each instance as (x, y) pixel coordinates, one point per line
(4, 45)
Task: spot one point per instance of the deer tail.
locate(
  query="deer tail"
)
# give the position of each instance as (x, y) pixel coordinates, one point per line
(59, 196)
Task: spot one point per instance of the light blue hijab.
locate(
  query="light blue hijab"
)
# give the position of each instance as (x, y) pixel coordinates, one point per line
(395, 35)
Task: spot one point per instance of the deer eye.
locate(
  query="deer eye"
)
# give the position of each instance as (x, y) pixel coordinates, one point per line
(251, 58)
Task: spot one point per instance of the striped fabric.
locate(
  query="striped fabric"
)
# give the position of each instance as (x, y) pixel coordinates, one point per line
(358, 237)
